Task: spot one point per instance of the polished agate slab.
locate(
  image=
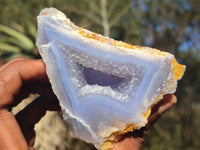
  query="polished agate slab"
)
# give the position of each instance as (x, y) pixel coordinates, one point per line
(105, 87)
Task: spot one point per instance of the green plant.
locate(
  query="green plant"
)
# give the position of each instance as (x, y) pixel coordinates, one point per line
(18, 41)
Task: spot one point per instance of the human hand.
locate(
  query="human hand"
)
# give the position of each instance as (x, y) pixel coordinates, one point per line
(18, 79)
(135, 139)
(22, 76)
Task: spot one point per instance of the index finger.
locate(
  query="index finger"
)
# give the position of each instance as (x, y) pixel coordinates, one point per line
(12, 61)
(13, 76)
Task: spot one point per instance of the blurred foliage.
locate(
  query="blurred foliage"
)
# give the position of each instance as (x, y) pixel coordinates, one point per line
(173, 26)
(18, 42)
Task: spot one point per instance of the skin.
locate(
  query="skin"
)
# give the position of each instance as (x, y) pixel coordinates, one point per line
(22, 76)
(135, 139)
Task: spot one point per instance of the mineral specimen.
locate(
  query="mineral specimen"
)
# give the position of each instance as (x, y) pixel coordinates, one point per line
(105, 87)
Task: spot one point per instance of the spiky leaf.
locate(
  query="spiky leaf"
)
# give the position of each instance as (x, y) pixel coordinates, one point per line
(25, 43)
(8, 48)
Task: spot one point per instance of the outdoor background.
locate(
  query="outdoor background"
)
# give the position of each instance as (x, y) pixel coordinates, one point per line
(169, 25)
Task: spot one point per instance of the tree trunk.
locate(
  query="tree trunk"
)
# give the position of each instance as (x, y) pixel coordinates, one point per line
(104, 15)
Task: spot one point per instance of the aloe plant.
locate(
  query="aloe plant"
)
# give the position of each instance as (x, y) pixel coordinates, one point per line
(14, 43)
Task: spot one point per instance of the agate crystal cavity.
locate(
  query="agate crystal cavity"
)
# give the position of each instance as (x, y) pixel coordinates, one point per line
(106, 88)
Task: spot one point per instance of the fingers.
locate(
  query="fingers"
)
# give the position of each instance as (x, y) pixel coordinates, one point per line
(165, 104)
(134, 140)
(128, 143)
(30, 115)
(16, 74)
(12, 61)
(18, 78)
(11, 135)
(42, 87)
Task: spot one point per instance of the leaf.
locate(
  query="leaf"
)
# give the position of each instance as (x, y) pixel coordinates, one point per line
(31, 29)
(9, 48)
(14, 55)
(11, 41)
(25, 43)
